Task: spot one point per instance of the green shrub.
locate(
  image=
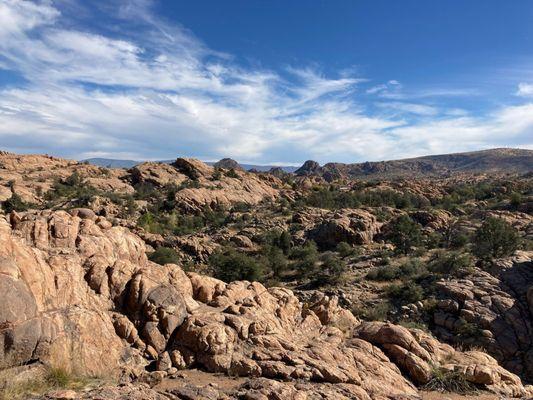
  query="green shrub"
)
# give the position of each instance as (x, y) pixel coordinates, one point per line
(406, 293)
(14, 203)
(230, 265)
(405, 234)
(376, 312)
(443, 380)
(274, 260)
(451, 262)
(332, 270)
(164, 255)
(72, 188)
(495, 238)
(346, 250)
(409, 269)
(305, 258)
(284, 242)
(231, 173)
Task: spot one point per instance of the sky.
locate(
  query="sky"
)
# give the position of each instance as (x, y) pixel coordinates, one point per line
(265, 81)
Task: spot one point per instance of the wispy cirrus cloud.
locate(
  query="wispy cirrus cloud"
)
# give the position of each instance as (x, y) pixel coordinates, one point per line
(152, 90)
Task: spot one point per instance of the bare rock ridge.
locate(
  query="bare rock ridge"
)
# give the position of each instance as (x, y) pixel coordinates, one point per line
(495, 160)
(66, 275)
(227, 163)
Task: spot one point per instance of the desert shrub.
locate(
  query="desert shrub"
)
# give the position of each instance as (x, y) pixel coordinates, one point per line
(405, 234)
(443, 380)
(217, 174)
(409, 269)
(284, 242)
(515, 199)
(274, 260)
(164, 255)
(376, 312)
(74, 188)
(231, 173)
(14, 203)
(450, 262)
(346, 250)
(13, 388)
(384, 273)
(406, 293)
(332, 270)
(305, 257)
(148, 221)
(495, 238)
(241, 207)
(229, 265)
(467, 330)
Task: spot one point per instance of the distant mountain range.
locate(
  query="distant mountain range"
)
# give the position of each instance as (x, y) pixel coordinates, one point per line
(113, 163)
(502, 160)
(485, 161)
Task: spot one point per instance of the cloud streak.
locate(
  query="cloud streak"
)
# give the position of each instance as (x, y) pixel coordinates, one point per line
(152, 90)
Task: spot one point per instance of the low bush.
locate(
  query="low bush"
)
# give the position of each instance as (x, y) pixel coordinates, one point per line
(405, 234)
(406, 293)
(164, 255)
(14, 203)
(443, 380)
(230, 265)
(495, 238)
(449, 263)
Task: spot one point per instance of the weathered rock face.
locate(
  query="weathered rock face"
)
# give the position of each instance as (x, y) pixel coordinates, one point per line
(435, 220)
(157, 174)
(417, 353)
(328, 229)
(492, 310)
(31, 176)
(65, 276)
(228, 163)
(49, 312)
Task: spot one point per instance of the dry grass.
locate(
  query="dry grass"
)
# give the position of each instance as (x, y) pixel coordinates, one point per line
(16, 386)
(449, 381)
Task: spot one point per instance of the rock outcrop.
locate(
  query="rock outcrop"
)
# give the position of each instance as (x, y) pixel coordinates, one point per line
(492, 309)
(65, 276)
(329, 228)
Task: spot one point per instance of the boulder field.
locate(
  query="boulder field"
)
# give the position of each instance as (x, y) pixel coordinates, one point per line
(80, 293)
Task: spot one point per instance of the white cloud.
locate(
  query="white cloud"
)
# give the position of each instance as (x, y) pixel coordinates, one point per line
(411, 108)
(525, 90)
(156, 91)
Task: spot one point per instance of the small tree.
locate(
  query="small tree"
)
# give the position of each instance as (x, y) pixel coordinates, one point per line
(14, 203)
(164, 255)
(405, 234)
(495, 238)
(332, 270)
(284, 242)
(230, 265)
(449, 262)
(306, 257)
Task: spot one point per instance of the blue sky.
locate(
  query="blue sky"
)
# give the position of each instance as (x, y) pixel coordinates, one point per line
(265, 81)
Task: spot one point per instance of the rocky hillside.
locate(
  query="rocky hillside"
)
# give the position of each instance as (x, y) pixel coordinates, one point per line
(487, 161)
(185, 281)
(81, 294)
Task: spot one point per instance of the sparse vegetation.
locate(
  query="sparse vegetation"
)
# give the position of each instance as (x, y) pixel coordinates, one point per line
(164, 255)
(443, 380)
(14, 203)
(405, 234)
(495, 238)
(230, 265)
(15, 388)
